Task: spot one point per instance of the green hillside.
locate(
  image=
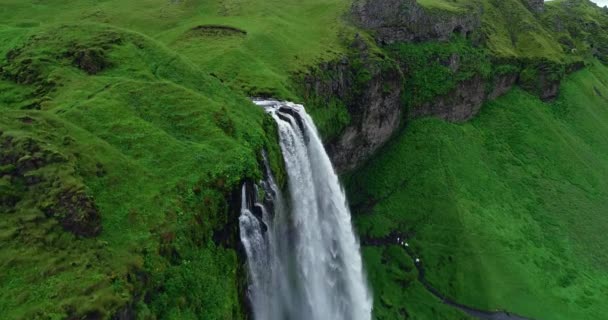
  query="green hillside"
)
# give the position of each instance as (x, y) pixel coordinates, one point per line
(506, 212)
(265, 41)
(115, 130)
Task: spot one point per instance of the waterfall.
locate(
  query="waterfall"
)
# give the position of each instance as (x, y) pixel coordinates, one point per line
(302, 254)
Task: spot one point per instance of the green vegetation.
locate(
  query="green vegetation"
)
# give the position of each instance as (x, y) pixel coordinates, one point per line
(119, 127)
(435, 68)
(277, 38)
(588, 39)
(128, 127)
(506, 211)
(397, 293)
(330, 118)
(443, 5)
(508, 28)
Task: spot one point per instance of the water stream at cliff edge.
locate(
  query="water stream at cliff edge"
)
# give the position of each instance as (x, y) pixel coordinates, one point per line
(303, 257)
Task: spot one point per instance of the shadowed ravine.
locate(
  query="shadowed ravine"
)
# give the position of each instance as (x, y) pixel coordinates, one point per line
(303, 257)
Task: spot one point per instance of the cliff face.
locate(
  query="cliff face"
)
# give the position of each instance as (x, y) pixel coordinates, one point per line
(370, 86)
(405, 20)
(386, 94)
(466, 99)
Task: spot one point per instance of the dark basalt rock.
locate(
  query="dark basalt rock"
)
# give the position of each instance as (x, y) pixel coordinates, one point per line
(90, 60)
(536, 6)
(217, 31)
(405, 20)
(77, 213)
(370, 86)
(466, 99)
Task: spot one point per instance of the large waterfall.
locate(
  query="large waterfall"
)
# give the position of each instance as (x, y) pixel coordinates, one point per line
(303, 257)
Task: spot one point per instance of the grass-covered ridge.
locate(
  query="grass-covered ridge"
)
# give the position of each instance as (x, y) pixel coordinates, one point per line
(113, 122)
(506, 211)
(580, 26)
(277, 38)
(510, 30)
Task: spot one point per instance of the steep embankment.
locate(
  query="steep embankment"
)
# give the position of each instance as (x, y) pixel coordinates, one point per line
(112, 194)
(125, 128)
(505, 211)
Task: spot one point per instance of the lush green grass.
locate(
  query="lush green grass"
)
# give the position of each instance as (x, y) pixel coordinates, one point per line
(506, 211)
(434, 68)
(508, 28)
(453, 6)
(154, 125)
(281, 36)
(397, 293)
(156, 142)
(587, 39)
(142, 106)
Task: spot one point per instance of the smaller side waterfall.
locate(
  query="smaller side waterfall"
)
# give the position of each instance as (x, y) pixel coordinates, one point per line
(256, 247)
(303, 257)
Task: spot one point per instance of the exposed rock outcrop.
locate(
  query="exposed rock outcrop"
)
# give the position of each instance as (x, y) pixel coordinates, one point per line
(542, 77)
(536, 6)
(370, 85)
(405, 20)
(30, 172)
(465, 101)
(90, 60)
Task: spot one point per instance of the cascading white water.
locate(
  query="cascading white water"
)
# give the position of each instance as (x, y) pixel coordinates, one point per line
(303, 257)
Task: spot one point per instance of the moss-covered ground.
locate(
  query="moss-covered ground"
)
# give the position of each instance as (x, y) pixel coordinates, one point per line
(506, 212)
(157, 145)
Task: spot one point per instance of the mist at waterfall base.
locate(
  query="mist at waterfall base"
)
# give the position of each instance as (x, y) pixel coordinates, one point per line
(303, 258)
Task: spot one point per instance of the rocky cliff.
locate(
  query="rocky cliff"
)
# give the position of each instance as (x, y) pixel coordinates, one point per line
(370, 86)
(536, 6)
(465, 100)
(451, 80)
(405, 20)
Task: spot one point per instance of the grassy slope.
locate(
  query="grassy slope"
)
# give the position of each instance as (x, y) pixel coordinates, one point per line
(143, 138)
(590, 37)
(282, 36)
(510, 30)
(154, 139)
(507, 211)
